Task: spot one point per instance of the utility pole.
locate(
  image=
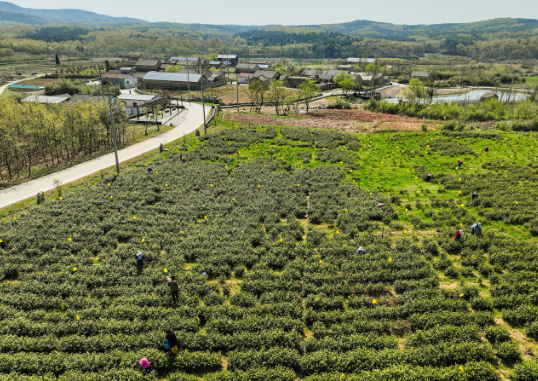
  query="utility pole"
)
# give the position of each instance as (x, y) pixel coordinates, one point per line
(188, 80)
(113, 132)
(237, 83)
(203, 102)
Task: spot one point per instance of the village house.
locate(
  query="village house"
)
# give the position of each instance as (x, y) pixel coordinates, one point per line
(244, 78)
(127, 70)
(174, 81)
(133, 102)
(194, 63)
(124, 81)
(215, 64)
(232, 58)
(268, 75)
(246, 68)
(148, 65)
(49, 99)
(420, 75)
(358, 61)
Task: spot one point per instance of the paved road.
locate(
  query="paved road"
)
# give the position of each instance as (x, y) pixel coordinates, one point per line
(193, 120)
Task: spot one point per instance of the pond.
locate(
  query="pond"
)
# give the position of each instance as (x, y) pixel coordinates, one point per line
(471, 96)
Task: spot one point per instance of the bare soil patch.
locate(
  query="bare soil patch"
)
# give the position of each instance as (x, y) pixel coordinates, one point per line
(351, 120)
(449, 286)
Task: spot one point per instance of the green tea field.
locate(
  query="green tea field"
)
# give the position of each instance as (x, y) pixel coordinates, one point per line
(260, 226)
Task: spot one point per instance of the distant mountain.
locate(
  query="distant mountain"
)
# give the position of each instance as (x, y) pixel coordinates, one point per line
(57, 15)
(22, 18)
(374, 29)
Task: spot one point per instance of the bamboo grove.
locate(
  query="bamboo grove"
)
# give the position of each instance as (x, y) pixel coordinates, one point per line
(48, 135)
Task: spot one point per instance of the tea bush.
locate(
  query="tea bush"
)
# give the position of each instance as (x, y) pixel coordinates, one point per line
(269, 284)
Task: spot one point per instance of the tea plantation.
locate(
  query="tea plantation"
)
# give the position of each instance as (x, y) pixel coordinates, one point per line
(284, 298)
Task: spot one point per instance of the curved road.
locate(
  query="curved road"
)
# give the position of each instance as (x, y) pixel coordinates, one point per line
(11, 195)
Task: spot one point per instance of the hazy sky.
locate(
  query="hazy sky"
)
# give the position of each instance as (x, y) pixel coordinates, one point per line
(300, 12)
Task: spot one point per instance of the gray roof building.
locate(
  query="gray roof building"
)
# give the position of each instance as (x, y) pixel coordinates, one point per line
(246, 68)
(50, 99)
(148, 65)
(355, 61)
(227, 56)
(179, 77)
(420, 74)
(270, 75)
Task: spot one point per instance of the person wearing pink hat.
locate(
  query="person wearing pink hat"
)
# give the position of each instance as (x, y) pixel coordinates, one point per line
(144, 365)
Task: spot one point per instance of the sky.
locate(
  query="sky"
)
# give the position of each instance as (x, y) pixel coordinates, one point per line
(300, 12)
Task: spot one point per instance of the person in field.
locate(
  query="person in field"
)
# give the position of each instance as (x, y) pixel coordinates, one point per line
(144, 365)
(475, 195)
(459, 235)
(171, 342)
(360, 251)
(460, 163)
(428, 177)
(476, 228)
(174, 288)
(139, 260)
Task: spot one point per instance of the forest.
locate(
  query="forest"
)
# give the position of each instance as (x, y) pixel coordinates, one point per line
(500, 39)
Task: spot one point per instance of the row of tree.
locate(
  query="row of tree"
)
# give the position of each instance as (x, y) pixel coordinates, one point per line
(47, 135)
(282, 98)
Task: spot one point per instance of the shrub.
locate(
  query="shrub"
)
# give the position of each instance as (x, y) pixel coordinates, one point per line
(497, 334)
(507, 351)
(481, 304)
(525, 371)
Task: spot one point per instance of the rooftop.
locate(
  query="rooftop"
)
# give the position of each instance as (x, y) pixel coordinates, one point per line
(267, 74)
(137, 97)
(47, 99)
(360, 60)
(115, 75)
(227, 56)
(172, 77)
(420, 74)
(184, 58)
(148, 63)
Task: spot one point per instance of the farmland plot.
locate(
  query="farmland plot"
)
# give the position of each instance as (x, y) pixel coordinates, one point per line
(270, 288)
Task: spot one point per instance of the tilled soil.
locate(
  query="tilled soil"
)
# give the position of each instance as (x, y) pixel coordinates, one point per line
(352, 120)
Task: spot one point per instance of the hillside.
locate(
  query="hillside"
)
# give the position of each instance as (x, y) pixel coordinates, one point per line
(22, 18)
(269, 285)
(58, 15)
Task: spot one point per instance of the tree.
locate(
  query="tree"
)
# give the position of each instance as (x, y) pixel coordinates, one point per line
(429, 84)
(258, 89)
(309, 89)
(415, 90)
(345, 81)
(57, 59)
(172, 69)
(277, 92)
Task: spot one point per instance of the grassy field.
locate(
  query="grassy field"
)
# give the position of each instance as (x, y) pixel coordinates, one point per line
(284, 297)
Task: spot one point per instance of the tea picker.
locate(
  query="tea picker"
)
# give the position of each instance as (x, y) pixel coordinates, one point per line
(428, 177)
(460, 163)
(475, 195)
(174, 288)
(360, 250)
(459, 235)
(139, 260)
(476, 228)
(144, 365)
(171, 342)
